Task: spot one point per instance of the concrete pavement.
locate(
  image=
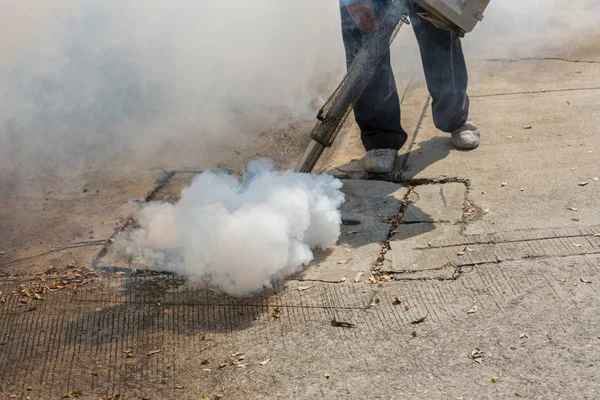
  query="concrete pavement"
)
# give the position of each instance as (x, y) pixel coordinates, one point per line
(486, 272)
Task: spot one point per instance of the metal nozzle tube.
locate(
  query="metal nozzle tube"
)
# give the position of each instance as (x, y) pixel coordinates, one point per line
(310, 157)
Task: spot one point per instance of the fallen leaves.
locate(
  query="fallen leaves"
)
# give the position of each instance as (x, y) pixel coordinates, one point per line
(397, 301)
(577, 244)
(528, 127)
(494, 379)
(326, 375)
(343, 262)
(504, 184)
(419, 320)
(344, 279)
(473, 310)
(465, 251)
(302, 288)
(477, 355)
(276, 313)
(2, 252)
(268, 360)
(414, 334)
(585, 280)
(128, 353)
(152, 352)
(573, 209)
(358, 276)
(583, 183)
(179, 387)
(206, 370)
(523, 336)
(341, 324)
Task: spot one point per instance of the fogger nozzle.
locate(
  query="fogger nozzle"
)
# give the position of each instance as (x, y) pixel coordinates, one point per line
(310, 157)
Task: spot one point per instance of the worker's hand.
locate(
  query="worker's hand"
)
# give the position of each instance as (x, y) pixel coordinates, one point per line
(363, 13)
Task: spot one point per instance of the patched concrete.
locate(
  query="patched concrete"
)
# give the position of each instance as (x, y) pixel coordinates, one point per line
(436, 203)
(366, 215)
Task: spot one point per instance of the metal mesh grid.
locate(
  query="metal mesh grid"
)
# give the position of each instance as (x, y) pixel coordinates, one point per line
(376, 45)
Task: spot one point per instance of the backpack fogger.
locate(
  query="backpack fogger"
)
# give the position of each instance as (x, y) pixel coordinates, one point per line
(460, 16)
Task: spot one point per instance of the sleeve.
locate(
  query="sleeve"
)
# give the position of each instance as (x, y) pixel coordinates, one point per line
(345, 3)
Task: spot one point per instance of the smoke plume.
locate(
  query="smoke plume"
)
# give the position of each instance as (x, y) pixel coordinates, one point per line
(241, 236)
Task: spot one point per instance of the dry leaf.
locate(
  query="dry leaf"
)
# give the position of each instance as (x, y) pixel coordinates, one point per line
(235, 362)
(265, 362)
(472, 310)
(179, 387)
(397, 301)
(358, 276)
(596, 235)
(573, 209)
(343, 262)
(352, 232)
(406, 308)
(152, 352)
(418, 321)
(585, 280)
(128, 353)
(583, 183)
(429, 244)
(223, 365)
(462, 252)
(477, 355)
(509, 137)
(595, 179)
(341, 324)
(206, 370)
(301, 288)
(527, 127)
(414, 334)
(120, 273)
(2, 253)
(523, 336)
(326, 375)
(276, 313)
(344, 279)
(504, 184)
(494, 379)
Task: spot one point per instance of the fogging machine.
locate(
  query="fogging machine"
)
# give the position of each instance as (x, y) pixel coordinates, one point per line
(460, 16)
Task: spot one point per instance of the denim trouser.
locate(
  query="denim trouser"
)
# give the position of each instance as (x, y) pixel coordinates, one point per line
(377, 112)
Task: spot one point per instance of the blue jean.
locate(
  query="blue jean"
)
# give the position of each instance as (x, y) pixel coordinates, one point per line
(377, 112)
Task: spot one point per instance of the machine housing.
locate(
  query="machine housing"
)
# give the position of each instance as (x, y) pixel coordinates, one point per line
(458, 15)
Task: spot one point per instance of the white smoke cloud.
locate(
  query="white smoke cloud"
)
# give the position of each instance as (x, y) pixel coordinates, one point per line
(241, 236)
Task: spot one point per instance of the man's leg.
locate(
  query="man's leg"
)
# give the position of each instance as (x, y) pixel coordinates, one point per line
(377, 112)
(447, 79)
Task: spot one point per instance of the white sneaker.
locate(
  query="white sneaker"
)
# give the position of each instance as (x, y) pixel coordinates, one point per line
(380, 161)
(467, 136)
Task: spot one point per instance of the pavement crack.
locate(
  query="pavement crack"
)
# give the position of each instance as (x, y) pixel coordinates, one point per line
(535, 92)
(520, 59)
(443, 197)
